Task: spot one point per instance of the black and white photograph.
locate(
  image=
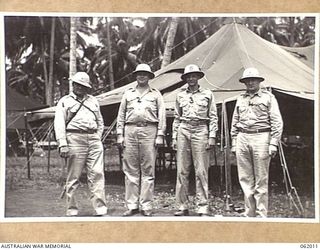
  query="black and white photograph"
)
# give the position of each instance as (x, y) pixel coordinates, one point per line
(160, 117)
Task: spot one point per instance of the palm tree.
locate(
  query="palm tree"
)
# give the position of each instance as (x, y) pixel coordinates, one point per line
(122, 32)
(50, 86)
(73, 48)
(170, 41)
(29, 47)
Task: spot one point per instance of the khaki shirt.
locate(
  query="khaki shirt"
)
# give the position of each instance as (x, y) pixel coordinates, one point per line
(147, 107)
(198, 105)
(258, 111)
(83, 120)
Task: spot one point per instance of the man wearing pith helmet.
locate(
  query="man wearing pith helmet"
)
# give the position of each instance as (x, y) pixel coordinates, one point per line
(256, 130)
(78, 127)
(194, 132)
(141, 126)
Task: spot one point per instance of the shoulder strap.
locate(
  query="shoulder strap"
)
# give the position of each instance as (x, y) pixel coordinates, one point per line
(74, 114)
(82, 104)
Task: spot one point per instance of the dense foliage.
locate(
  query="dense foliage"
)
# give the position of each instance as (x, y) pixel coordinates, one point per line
(132, 40)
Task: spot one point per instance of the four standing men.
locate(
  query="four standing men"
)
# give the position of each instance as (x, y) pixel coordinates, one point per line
(256, 130)
(193, 134)
(141, 125)
(78, 127)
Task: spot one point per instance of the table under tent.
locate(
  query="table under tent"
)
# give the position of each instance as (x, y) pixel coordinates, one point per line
(289, 75)
(16, 107)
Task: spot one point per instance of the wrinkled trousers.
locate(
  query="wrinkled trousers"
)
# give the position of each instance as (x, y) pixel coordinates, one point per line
(85, 151)
(191, 150)
(139, 158)
(252, 152)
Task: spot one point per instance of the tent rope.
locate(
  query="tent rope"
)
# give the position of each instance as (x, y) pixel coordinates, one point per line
(18, 116)
(109, 129)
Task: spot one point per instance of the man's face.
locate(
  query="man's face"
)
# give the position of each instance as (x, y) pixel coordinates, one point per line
(252, 84)
(142, 78)
(79, 90)
(192, 79)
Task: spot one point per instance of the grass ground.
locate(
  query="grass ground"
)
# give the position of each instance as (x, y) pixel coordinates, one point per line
(39, 196)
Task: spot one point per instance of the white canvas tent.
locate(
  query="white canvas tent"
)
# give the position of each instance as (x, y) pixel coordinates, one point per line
(223, 57)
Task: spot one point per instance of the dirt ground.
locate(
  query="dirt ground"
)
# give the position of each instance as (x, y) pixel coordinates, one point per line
(39, 196)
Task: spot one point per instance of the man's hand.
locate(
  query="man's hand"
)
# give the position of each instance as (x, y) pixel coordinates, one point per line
(174, 144)
(159, 141)
(120, 141)
(64, 151)
(273, 150)
(233, 145)
(211, 142)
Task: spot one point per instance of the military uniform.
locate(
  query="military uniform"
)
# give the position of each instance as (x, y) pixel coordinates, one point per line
(141, 119)
(81, 130)
(256, 124)
(195, 121)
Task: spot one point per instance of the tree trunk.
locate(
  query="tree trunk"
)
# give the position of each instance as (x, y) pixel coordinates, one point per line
(73, 48)
(170, 42)
(111, 78)
(50, 86)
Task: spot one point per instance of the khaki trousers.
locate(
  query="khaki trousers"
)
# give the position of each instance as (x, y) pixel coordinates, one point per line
(253, 161)
(139, 157)
(86, 151)
(191, 150)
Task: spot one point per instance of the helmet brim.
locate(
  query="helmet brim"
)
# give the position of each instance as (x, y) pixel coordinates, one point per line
(82, 84)
(244, 79)
(151, 75)
(199, 73)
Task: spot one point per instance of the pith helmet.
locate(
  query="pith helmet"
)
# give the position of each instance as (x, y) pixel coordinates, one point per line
(143, 68)
(251, 73)
(81, 78)
(192, 68)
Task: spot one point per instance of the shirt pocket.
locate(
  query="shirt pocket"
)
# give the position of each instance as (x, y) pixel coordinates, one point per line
(131, 102)
(261, 109)
(242, 109)
(92, 110)
(151, 103)
(202, 106)
(71, 111)
(184, 106)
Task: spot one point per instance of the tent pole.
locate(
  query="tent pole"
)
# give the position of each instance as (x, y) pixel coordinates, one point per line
(227, 157)
(27, 142)
(49, 148)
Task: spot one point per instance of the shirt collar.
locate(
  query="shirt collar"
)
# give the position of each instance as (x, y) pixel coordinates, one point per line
(135, 89)
(75, 96)
(198, 90)
(259, 93)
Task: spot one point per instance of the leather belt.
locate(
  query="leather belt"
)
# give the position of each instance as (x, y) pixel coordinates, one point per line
(254, 131)
(79, 131)
(195, 122)
(142, 124)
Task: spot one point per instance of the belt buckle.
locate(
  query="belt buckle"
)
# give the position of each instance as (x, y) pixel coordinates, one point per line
(194, 122)
(141, 124)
